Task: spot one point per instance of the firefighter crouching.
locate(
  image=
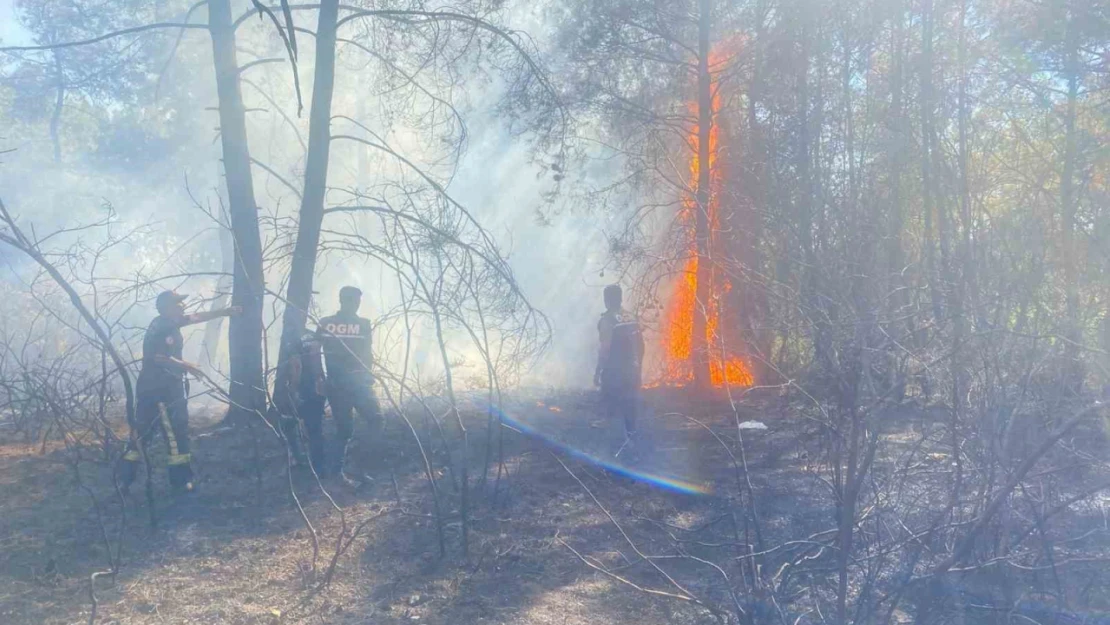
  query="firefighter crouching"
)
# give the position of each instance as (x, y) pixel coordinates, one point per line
(161, 391)
(619, 362)
(299, 400)
(346, 341)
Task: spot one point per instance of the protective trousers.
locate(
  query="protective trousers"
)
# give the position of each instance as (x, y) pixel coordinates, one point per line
(345, 396)
(169, 412)
(308, 413)
(620, 398)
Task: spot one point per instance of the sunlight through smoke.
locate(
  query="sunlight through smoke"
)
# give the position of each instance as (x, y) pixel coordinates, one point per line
(619, 467)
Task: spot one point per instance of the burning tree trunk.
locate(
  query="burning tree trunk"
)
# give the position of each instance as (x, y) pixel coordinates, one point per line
(315, 181)
(248, 391)
(699, 341)
(695, 344)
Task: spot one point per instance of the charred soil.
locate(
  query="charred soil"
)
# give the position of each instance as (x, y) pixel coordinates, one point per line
(551, 533)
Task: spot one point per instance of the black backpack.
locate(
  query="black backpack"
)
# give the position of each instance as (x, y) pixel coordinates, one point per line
(626, 351)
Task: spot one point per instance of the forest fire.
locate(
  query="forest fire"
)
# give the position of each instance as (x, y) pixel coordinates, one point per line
(677, 337)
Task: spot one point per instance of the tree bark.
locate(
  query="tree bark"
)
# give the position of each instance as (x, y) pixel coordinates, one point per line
(895, 257)
(967, 256)
(1072, 331)
(59, 102)
(700, 343)
(751, 300)
(248, 387)
(303, 268)
(958, 281)
(927, 141)
(806, 194)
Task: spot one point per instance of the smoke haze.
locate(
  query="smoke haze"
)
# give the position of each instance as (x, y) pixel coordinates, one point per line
(153, 157)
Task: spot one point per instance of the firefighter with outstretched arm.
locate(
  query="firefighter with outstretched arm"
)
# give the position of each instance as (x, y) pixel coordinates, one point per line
(347, 347)
(161, 395)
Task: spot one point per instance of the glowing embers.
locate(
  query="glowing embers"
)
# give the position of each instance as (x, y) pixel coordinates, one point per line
(677, 336)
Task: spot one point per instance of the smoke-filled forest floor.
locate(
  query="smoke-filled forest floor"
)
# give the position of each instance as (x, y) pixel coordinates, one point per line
(237, 551)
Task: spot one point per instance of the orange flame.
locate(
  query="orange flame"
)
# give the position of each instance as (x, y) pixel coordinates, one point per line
(678, 328)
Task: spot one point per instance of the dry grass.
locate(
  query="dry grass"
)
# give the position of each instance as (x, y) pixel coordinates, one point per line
(237, 551)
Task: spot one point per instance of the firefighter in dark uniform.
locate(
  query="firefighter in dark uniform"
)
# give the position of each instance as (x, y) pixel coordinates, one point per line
(161, 391)
(345, 338)
(299, 399)
(619, 362)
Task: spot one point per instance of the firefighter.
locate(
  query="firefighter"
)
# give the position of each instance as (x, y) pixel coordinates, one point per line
(619, 362)
(345, 338)
(299, 399)
(161, 391)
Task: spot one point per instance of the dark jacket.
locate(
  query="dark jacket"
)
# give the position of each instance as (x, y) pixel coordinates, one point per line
(163, 338)
(346, 342)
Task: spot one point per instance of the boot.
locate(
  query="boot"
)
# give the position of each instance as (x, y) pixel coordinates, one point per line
(181, 479)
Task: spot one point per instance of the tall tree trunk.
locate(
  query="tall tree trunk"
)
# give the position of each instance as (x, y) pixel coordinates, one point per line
(59, 103)
(849, 120)
(927, 141)
(1072, 331)
(315, 181)
(248, 390)
(702, 234)
(853, 369)
(751, 300)
(960, 282)
(895, 257)
(806, 222)
(969, 280)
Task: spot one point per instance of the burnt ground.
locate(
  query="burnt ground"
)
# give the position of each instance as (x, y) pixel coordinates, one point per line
(238, 551)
